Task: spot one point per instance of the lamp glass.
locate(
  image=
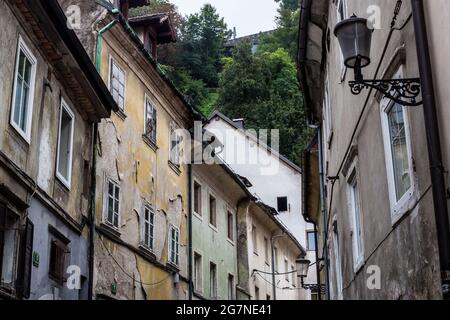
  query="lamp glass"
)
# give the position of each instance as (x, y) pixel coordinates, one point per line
(302, 267)
(355, 39)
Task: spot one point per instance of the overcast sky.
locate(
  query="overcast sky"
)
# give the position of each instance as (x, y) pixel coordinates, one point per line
(248, 16)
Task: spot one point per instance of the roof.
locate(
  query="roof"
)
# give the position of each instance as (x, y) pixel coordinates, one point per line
(160, 21)
(89, 89)
(254, 38)
(137, 41)
(312, 34)
(270, 211)
(235, 126)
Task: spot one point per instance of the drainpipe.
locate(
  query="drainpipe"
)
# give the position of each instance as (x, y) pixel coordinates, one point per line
(274, 286)
(191, 284)
(94, 169)
(324, 214)
(433, 144)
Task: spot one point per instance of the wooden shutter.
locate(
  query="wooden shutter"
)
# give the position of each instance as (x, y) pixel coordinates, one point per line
(25, 260)
(57, 261)
(2, 233)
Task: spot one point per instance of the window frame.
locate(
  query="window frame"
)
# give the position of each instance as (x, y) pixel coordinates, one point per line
(147, 101)
(67, 182)
(200, 202)
(353, 204)
(198, 283)
(308, 232)
(231, 286)
(173, 130)
(266, 250)
(230, 227)
(286, 269)
(254, 240)
(170, 246)
(398, 207)
(151, 246)
(213, 289)
(337, 262)
(281, 198)
(114, 61)
(106, 204)
(211, 196)
(24, 48)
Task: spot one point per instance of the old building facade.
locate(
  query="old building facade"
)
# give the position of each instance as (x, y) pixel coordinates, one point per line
(141, 245)
(368, 187)
(51, 96)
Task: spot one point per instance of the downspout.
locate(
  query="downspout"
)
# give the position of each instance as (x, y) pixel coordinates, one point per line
(190, 271)
(324, 215)
(433, 144)
(94, 169)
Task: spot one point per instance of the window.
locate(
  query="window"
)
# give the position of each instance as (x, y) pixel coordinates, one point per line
(198, 273)
(254, 240)
(212, 211)
(256, 293)
(311, 240)
(65, 145)
(267, 296)
(266, 250)
(212, 280)
(197, 198)
(286, 270)
(9, 241)
(113, 204)
(175, 140)
(148, 227)
(174, 245)
(117, 83)
(398, 155)
(328, 112)
(230, 224)
(230, 287)
(355, 211)
(275, 258)
(314, 296)
(57, 268)
(282, 204)
(150, 121)
(23, 94)
(337, 261)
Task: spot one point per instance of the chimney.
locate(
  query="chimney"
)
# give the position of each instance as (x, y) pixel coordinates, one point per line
(234, 33)
(240, 123)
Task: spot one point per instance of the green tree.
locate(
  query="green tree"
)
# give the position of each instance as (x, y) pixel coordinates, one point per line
(203, 36)
(263, 89)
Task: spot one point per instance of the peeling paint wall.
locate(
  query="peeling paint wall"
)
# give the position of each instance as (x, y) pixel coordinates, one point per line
(51, 202)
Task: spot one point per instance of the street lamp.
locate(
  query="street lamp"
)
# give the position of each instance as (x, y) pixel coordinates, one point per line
(355, 39)
(302, 269)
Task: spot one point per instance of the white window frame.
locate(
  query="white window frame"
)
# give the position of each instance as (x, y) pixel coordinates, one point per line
(110, 73)
(147, 101)
(233, 233)
(177, 248)
(198, 284)
(337, 264)
(66, 181)
(212, 195)
(149, 246)
(398, 207)
(173, 128)
(106, 204)
(213, 290)
(198, 214)
(231, 290)
(286, 269)
(254, 240)
(328, 111)
(358, 257)
(22, 47)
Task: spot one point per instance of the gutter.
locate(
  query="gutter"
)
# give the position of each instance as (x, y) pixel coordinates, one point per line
(92, 210)
(433, 144)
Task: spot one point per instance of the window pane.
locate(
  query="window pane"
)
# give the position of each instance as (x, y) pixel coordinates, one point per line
(400, 159)
(65, 144)
(18, 102)
(311, 241)
(357, 214)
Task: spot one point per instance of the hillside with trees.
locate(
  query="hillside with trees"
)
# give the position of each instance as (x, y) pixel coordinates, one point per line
(260, 87)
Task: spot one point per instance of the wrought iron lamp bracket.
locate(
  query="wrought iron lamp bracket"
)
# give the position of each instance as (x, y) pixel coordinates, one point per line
(401, 91)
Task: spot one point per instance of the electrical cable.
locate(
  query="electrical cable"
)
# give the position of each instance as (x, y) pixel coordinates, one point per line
(126, 273)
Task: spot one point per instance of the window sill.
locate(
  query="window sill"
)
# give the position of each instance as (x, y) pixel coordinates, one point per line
(110, 230)
(65, 185)
(173, 267)
(121, 114)
(213, 227)
(230, 241)
(358, 266)
(403, 207)
(174, 167)
(146, 251)
(150, 143)
(199, 217)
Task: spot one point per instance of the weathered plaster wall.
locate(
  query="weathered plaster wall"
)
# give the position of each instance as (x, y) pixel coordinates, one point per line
(144, 176)
(406, 252)
(213, 243)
